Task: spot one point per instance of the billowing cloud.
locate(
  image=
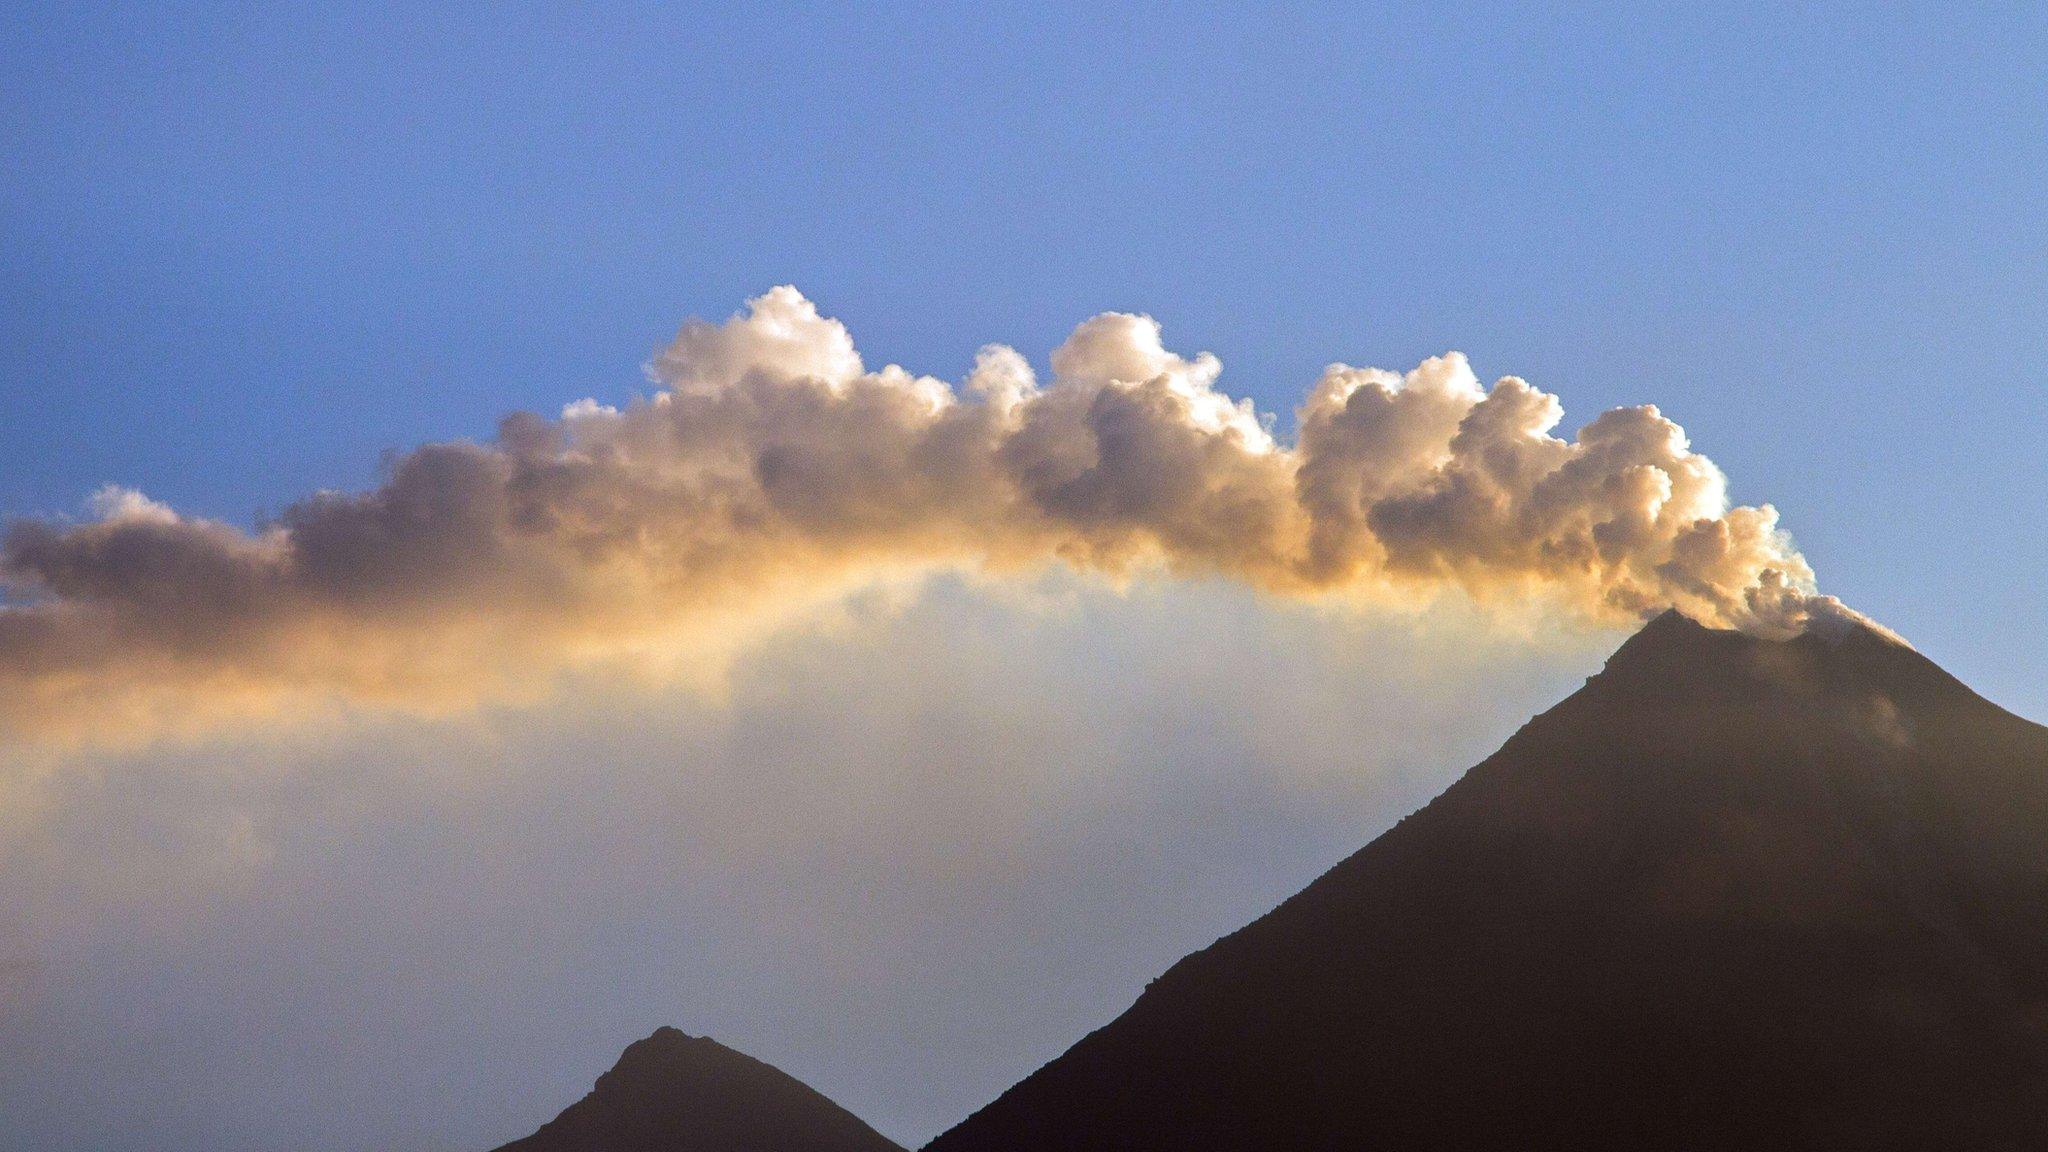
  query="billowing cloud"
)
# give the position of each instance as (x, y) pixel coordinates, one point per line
(772, 470)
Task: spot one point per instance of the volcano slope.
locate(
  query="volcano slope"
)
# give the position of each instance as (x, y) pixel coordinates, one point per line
(1732, 894)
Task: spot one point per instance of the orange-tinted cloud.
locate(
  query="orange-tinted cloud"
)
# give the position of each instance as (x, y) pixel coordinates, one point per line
(772, 469)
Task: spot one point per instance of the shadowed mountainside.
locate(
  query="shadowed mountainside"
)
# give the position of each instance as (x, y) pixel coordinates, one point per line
(1733, 893)
(677, 1093)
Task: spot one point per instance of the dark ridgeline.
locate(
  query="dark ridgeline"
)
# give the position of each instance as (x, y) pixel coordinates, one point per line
(1733, 894)
(678, 1093)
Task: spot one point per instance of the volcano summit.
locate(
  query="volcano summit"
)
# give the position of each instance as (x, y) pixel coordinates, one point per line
(1733, 893)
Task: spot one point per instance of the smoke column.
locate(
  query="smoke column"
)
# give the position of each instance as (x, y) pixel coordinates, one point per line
(771, 470)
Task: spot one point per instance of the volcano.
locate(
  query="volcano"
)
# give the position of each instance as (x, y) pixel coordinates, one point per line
(678, 1093)
(1734, 893)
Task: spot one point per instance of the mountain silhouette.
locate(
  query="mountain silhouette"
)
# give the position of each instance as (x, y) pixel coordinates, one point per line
(1731, 894)
(677, 1093)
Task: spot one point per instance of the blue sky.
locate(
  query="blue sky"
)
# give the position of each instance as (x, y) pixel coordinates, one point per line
(245, 253)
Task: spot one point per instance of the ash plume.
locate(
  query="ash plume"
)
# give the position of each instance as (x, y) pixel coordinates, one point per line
(771, 470)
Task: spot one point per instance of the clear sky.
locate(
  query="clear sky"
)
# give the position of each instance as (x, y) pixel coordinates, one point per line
(246, 254)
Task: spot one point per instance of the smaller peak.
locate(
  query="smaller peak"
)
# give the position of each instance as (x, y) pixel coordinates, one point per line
(672, 1090)
(662, 1039)
(659, 1048)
